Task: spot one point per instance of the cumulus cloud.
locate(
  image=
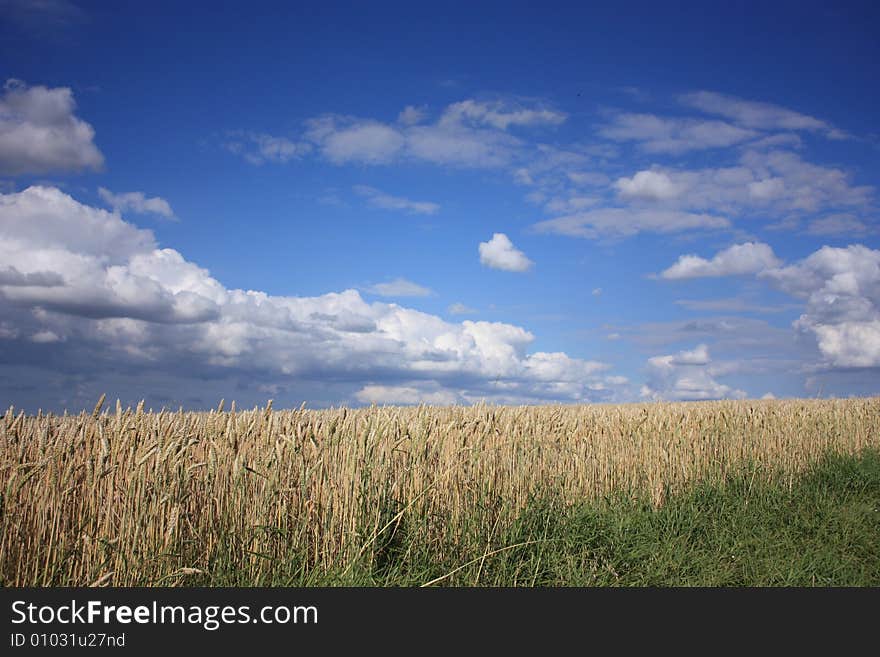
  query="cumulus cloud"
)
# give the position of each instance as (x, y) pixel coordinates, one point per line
(651, 185)
(136, 202)
(625, 222)
(685, 376)
(379, 199)
(500, 253)
(841, 287)
(399, 287)
(759, 115)
(109, 267)
(39, 132)
(737, 260)
(128, 302)
(655, 134)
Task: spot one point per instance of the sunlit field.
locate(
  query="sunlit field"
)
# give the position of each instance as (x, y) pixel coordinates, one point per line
(481, 495)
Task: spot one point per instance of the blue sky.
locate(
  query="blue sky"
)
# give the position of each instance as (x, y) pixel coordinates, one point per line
(352, 203)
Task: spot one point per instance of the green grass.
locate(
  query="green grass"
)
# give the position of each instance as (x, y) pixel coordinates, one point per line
(819, 529)
(823, 530)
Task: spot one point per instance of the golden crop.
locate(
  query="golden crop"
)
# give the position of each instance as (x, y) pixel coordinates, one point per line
(141, 498)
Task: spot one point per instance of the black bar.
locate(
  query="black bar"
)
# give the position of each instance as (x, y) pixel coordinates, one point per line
(404, 621)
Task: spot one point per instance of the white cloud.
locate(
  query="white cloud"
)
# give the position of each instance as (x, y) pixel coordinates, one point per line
(803, 186)
(45, 337)
(685, 376)
(399, 287)
(759, 115)
(655, 134)
(39, 132)
(467, 134)
(346, 139)
(458, 308)
(456, 144)
(380, 199)
(737, 260)
(765, 181)
(625, 222)
(406, 395)
(136, 202)
(258, 147)
(651, 185)
(766, 189)
(499, 114)
(847, 344)
(500, 253)
(109, 267)
(129, 302)
(45, 218)
(411, 115)
(558, 367)
(697, 356)
(837, 224)
(841, 287)
(597, 291)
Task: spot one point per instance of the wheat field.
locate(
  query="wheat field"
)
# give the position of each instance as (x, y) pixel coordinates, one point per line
(132, 497)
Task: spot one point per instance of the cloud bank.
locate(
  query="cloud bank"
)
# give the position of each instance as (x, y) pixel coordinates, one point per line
(841, 288)
(100, 285)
